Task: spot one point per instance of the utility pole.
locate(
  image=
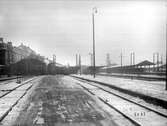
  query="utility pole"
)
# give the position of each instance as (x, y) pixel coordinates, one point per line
(80, 63)
(91, 62)
(153, 57)
(91, 59)
(130, 58)
(93, 24)
(54, 59)
(54, 64)
(76, 59)
(121, 59)
(158, 62)
(161, 59)
(108, 62)
(154, 61)
(133, 58)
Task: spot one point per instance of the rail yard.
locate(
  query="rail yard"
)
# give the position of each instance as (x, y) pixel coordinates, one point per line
(75, 100)
(83, 63)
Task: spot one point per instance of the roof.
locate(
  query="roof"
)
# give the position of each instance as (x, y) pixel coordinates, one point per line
(164, 65)
(145, 63)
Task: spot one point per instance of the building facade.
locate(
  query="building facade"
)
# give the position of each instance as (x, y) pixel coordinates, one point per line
(10, 54)
(6, 53)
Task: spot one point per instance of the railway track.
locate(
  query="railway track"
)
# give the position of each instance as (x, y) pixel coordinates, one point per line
(138, 76)
(148, 98)
(7, 91)
(18, 92)
(9, 78)
(136, 113)
(6, 82)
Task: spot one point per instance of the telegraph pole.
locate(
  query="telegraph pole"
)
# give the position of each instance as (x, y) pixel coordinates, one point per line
(153, 57)
(80, 63)
(158, 62)
(154, 61)
(108, 61)
(161, 60)
(130, 58)
(76, 59)
(133, 58)
(54, 59)
(91, 59)
(121, 59)
(93, 24)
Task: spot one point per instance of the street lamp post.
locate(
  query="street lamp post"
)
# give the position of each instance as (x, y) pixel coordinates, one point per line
(166, 43)
(93, 24)
(91, 63)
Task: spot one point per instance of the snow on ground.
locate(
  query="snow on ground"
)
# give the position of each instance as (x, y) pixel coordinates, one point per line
(150, 88)
(59, 101)
(135, 75)
(67, 83)
(10, 99)
(11, 117)
(135, 99)
(9, 86)
(141, 115)
(7, 81)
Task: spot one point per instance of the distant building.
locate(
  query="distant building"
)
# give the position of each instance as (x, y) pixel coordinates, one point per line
(27, 50)
(6, 53)
(10, 54)
(22, 52)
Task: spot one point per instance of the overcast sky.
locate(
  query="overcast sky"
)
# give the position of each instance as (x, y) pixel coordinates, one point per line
(64, 28)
